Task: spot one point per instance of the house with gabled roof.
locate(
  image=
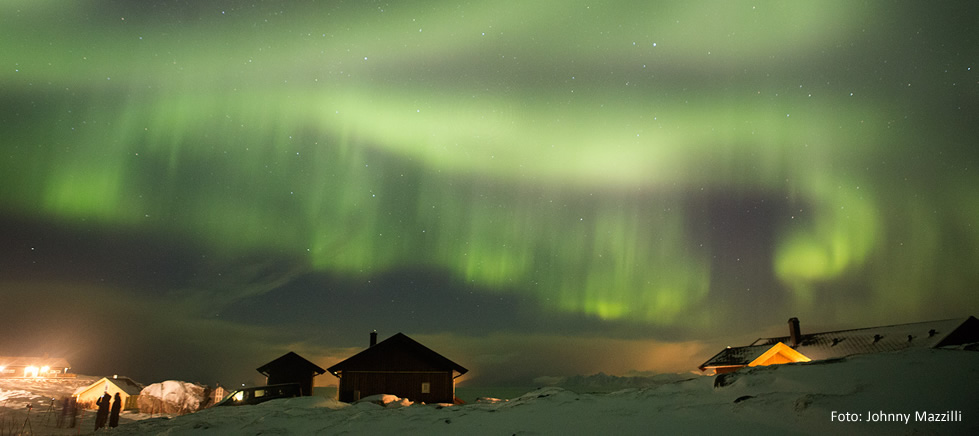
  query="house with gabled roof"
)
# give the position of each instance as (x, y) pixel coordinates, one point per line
(398, 366)
(799, 347)
(127, 388)
(291, 368)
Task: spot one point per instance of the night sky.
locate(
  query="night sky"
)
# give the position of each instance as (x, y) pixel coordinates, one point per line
(190, 189)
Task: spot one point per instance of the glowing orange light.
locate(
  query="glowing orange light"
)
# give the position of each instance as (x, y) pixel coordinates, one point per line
(778, 354)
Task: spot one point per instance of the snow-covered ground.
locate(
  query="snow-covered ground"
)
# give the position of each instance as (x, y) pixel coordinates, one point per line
(781, 399)
(32, 406)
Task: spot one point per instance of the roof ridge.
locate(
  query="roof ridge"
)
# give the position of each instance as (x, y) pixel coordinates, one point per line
(392, 342)
(961, 320)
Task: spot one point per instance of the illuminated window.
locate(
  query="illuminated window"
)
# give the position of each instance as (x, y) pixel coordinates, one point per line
(426, 388)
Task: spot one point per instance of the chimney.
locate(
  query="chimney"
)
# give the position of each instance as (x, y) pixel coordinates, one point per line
(794, 334)
(374, 338)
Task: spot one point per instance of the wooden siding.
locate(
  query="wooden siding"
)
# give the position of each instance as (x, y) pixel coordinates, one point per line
(405, 384)
(294, 375)
(291, 368)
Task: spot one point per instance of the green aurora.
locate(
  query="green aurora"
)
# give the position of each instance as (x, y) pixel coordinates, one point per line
(612, 160)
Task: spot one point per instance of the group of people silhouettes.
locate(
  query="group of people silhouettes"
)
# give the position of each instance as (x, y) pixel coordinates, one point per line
(107, 413)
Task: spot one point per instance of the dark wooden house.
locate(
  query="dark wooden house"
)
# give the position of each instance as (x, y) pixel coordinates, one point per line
(291, 368)
(398, 366)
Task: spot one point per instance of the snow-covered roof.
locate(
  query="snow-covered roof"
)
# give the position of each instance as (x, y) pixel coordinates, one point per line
(125, 384)
(735, 356)
(842, 343)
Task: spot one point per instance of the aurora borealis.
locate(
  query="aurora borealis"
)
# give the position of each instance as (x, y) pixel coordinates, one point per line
(522, 183)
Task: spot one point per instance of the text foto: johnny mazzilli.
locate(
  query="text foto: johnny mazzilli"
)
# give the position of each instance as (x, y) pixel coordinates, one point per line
(881, 416)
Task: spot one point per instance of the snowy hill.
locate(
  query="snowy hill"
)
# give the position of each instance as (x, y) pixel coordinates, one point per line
(605, 383)
(781, 399)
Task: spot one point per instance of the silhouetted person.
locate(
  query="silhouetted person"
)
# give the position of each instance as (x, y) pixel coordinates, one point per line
(63, 417)
(114, 413)
(103, 413)
(73, 411)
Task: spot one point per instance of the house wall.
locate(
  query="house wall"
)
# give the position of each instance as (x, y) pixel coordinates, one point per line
(404, 384)
(777, 359)
(87, 398)
(291, 368)
(302, 376)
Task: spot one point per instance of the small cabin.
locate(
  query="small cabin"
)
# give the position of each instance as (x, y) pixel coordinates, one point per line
(291, 368)
(398, 366)
(127, 388)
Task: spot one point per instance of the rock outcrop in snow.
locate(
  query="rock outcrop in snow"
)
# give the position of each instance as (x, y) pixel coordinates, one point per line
(172, 397)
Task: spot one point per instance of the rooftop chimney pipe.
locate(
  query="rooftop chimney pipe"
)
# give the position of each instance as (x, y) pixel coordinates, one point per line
(794, 333)
(374, 338)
